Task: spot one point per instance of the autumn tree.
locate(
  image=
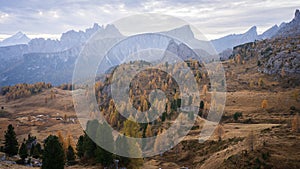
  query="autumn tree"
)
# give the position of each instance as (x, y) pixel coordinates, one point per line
(204, 90)
(264, 104)
(260, 82)
(148, 132)
(132, 129)
(62, 141)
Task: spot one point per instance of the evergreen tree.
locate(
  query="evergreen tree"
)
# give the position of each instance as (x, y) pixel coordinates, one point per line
(201, 105)
(37, 151)
(79, 147)
(11, 144)
(53, 156)
(122, 148)
(23, 152)
(70, 155)
(104, 137)
(89, 147)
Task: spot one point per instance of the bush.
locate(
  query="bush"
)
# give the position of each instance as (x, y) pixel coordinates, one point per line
(292, 108)
(237, 115)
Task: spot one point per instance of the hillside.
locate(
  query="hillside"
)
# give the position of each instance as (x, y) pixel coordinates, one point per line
(271, 125)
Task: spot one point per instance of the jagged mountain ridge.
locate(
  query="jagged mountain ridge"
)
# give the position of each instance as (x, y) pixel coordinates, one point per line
(229, 41)
(290, 29)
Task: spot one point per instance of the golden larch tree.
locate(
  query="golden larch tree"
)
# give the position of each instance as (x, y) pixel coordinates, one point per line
(264, 104)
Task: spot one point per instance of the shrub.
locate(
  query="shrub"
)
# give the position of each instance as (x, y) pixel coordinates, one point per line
(237, 115)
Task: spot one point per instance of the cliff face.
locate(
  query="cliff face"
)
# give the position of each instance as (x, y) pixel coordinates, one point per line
(273, 56)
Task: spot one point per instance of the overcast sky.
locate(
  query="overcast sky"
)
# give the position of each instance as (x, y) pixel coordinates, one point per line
(214, 18)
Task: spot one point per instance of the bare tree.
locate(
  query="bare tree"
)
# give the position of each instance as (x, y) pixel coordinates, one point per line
(220, 132)
(251, 140)
(296, 123)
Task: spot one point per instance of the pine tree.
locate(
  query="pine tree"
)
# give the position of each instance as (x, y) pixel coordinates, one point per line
(104, 137)
(123, 149)
(53, 156)
(37, 151)
(70, 155)
(201, 105)
(89, 147)
(23, 152)
(11, 144)
(79, 147)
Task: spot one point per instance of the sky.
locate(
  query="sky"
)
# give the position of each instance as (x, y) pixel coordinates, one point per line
(214, 18)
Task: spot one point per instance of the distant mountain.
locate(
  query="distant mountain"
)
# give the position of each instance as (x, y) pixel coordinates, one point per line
(290, 29)
(269, 33)
(46, 59)
(68, 40)
(18, 38)
(185, 35)
(229, 41)
(284, 30)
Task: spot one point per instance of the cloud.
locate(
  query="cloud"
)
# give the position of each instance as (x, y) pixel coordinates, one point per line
(214, 18)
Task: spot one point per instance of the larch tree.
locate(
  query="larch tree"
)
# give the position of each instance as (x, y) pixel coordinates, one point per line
(264, 104)
(149, 131)
(62, 141)
(132, 129)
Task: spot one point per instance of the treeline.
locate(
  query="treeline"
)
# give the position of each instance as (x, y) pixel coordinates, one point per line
(59, 151)
(23, 90)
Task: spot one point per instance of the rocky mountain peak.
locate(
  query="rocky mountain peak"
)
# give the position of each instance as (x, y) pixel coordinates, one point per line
(297, 14)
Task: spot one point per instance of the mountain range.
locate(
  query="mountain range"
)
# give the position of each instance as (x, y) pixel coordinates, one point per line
(29, 61)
